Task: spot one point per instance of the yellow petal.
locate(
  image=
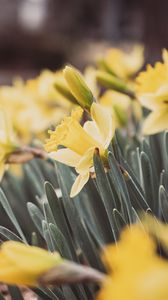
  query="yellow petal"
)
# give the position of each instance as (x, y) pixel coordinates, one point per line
(165, 56)
(66, 156)
(85, 162)
(104, 122)
(125, 64)
(79, 183)
(156, 100)
(28, 257)
(157, 121)
(23, 264)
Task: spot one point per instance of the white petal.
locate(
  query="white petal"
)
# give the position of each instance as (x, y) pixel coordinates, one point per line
(79, 183)
(156, 100)
(66, 156)
(91, 128)
(103, 118)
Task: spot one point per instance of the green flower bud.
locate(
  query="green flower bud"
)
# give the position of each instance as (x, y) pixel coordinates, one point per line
(109, 81)
(78, 87)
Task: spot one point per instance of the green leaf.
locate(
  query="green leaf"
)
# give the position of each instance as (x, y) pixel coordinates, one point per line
(15, 293)
(5, 204)
(9, 235)
(36, 216)
(59, 242)
(163, 202)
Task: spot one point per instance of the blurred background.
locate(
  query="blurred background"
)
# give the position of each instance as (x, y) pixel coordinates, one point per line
(38, 34)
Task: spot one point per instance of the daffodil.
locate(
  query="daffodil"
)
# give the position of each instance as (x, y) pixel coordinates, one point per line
(34, 105)
(23, 265)
(123, 64)
(48, 106)
(7, 142)
(80, 142)
(152, 92)
(136, 271)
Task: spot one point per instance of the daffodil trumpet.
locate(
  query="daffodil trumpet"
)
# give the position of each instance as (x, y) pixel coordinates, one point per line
(80, 142)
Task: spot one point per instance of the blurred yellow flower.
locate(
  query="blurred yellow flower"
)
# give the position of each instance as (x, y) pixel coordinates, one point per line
(90, 78)
(80, 142)
(123, 64)
(34, 105)
(152, 92)
(23, 265)
(120, 106)
(136, 271)
(7, 142)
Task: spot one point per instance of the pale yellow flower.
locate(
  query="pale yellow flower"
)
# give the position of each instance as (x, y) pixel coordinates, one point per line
(136, 271)
(49, 106)
(7, 142)
(124, 64)
(23, 265)
(152, 92)
(118, 104)
(35, 105)
(80, 142)
(43, 88)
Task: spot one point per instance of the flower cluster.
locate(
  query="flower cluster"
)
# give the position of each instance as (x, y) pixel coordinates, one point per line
(91, 122)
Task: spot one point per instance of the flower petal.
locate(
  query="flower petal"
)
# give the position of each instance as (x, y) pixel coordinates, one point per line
(156, 100)
(91, 128)
(85, 162)
(103, 119)
(16, 252)
(156, 121)
(79, 183)
(66, 156)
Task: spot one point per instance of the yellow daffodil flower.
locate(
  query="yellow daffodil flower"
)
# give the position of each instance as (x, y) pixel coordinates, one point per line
(152, 92)
(136, 271)
(7, 142)
(34, 105)
(23, 265)
(123, 64)
(80, 142)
